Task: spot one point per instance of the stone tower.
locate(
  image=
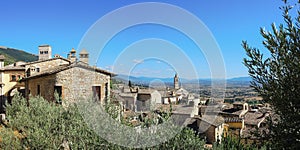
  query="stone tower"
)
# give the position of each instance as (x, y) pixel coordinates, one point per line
(72, 55)
(45, 52)
(84, 56)
(176, 82)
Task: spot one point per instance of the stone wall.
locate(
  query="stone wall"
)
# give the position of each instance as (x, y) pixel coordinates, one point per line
(208, 130)
(129, 103)
(76, 83)
(143, 102)
(46, 84)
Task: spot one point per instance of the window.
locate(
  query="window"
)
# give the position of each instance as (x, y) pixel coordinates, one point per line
(13, 78)
(41, 52)
(19, 77)
(106, 89)
(37, 69)
(28, 73)
(58, 90)
(96, 92)
(38, 90)
(46, 52)
(106, 92)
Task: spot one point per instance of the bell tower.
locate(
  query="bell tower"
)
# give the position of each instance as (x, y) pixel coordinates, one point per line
(45, 52)
(176, 82)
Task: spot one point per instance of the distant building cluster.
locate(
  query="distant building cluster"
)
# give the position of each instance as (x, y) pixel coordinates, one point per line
(145, 99)
(212, 119)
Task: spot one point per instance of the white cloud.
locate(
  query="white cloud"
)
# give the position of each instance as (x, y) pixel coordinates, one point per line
(136, 61)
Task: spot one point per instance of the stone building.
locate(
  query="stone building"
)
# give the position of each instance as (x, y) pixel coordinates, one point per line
(70, 78)
(129, 100)
(146, 99)
(139, 100)
(212, 128)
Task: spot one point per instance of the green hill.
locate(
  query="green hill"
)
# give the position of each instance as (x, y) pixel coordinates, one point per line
(12, 55)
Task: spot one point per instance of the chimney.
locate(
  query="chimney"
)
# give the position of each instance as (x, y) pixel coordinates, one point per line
(72, 55)
(2, 61)
(84, 56)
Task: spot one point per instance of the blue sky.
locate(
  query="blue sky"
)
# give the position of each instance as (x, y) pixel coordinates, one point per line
(63, 23)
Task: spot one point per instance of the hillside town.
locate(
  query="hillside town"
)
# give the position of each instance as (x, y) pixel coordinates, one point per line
(213, 120)
(72, 78)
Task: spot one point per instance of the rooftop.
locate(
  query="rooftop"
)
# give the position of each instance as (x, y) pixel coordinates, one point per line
(212, 119)
(2, 57)
(65, 67)
(254, 118)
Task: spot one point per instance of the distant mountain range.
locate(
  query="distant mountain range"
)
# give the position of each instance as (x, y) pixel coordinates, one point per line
(12, 55)
(147, 80)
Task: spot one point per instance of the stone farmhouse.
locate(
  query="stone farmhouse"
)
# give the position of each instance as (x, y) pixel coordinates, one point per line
(70, 78)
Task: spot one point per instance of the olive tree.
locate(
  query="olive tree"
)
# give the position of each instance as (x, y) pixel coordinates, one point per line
(277, 77)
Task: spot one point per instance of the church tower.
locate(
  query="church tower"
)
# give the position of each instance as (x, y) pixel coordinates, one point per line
(176, 82)
(45, 52)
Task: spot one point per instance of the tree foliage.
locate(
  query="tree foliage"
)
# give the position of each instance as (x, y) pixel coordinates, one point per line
(234, 143)
(48, 125)
(45, 125)
(277, 77)
(12, 55)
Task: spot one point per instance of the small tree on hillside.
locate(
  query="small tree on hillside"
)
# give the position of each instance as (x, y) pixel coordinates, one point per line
(129, 83)
(277, 78)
